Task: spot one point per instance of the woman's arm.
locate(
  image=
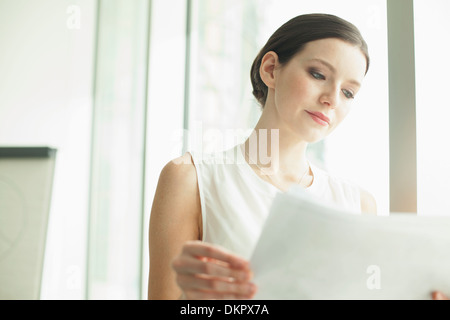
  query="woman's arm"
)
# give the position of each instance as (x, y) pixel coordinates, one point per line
(174, 219)
(180, 265)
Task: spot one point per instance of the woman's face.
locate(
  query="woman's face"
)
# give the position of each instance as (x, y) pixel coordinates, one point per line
(313, 92)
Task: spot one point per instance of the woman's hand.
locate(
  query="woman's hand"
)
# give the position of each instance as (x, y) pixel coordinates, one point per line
(204, 271)
(437, 295)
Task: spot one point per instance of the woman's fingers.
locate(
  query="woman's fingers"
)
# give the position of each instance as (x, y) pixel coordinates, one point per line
(213, 268)
(201, 249)
(217, 285)
(437, 295)
(205, 295)
(204, 271)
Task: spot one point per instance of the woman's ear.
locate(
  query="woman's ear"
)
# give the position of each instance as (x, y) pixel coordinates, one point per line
(267, 70)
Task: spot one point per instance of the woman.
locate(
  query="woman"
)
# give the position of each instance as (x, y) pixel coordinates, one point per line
(208, 211)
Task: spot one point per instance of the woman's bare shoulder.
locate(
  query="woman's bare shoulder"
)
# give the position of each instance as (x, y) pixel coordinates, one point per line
(177, 194)
(179, 171)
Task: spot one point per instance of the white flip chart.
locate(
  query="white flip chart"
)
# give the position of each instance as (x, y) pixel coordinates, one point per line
(26, 178)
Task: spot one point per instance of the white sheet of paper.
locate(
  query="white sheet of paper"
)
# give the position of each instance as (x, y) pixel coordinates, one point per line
(311, 251)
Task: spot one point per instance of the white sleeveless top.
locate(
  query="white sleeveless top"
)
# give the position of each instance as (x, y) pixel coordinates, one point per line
(235, 201)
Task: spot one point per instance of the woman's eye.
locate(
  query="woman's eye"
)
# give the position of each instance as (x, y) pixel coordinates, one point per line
(348, 94)
(317, 75)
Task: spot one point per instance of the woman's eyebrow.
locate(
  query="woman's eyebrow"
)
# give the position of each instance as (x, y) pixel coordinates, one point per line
(333, 69)
(327, 64)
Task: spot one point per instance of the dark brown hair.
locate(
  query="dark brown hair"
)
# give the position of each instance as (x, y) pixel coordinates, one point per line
(291, 38)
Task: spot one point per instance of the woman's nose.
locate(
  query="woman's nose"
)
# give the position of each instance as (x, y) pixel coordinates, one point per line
(330, 97)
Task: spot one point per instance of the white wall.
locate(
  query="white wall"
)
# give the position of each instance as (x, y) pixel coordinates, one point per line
(46, 59)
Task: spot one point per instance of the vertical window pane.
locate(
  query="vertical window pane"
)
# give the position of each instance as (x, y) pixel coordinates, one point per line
(227, 36)
(433, 106)
(165, 100)
(224, 43)
(117, 153)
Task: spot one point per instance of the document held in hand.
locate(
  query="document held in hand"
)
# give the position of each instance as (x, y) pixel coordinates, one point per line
(308, 250)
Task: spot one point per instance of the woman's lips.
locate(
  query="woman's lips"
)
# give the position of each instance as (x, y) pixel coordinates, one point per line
(319, 118)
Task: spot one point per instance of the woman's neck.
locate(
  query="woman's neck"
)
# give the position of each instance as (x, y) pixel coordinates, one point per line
(276, 154)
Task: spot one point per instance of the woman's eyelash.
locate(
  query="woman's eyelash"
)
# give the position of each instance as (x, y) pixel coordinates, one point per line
(317, 75)
(348, 94)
